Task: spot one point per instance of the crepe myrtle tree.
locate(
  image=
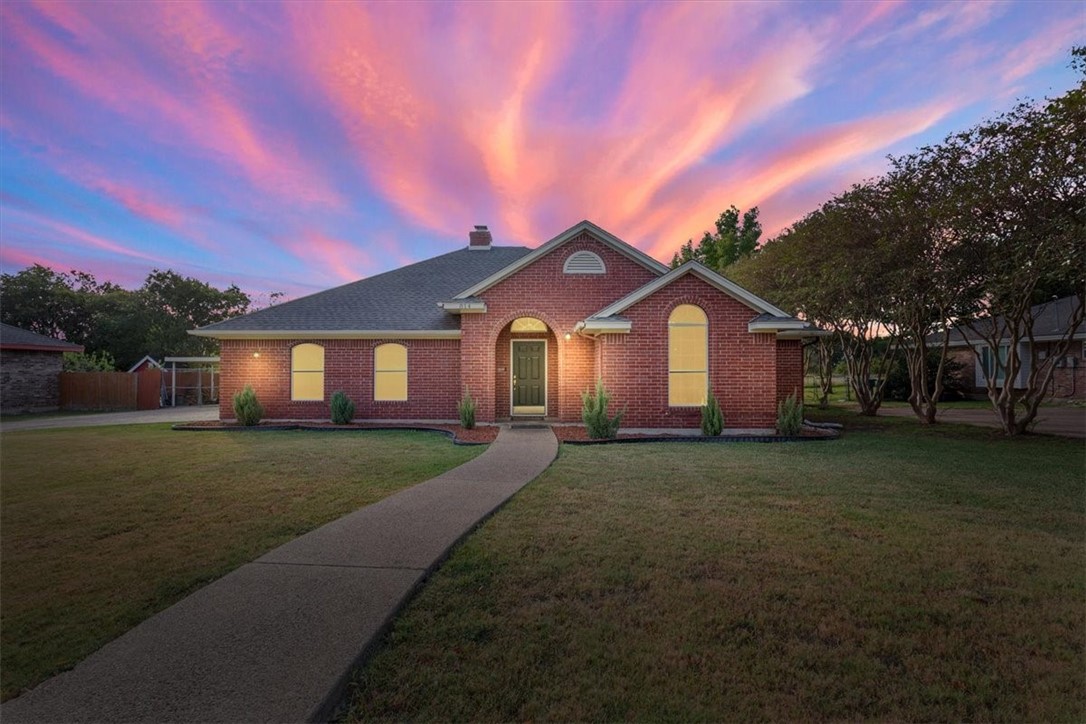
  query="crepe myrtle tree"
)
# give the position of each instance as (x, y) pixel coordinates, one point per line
(1021, 213)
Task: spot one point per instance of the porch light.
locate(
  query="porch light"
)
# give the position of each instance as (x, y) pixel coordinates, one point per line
(256, 355)
(568, 336)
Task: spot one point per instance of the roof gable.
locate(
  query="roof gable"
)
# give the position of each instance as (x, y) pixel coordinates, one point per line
(756, 303)
(566, 236)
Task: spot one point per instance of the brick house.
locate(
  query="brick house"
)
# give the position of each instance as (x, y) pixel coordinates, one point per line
(30, 365)
(525, 331)
(1053, 321)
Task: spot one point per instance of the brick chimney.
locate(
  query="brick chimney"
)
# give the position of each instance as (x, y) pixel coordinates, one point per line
(479, 239)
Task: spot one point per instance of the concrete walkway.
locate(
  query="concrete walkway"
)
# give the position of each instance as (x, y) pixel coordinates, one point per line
(189, 413)
(275, 640)
(1064, 421)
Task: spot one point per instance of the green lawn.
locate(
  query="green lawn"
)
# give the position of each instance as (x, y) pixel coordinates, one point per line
(898, 573)
(102, 527)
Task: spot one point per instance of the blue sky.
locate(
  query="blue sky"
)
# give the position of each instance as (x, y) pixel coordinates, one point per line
(293, 147)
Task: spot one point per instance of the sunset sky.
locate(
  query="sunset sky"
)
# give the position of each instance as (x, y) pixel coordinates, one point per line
(294, 147)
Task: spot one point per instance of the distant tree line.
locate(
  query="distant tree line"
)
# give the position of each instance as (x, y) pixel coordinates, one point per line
(981, 226)
(116, 325)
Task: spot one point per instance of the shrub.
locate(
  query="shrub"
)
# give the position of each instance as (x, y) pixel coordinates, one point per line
(466, 408)
(594, 413)
(712, 419)
(100, 361)
(790, 415)
(247, 408)
(342, 408)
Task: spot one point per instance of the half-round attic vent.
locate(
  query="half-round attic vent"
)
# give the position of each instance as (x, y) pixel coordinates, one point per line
(584, 262)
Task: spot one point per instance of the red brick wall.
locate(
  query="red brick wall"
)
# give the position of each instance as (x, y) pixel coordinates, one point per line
(742, 366)
(789, 369)
(560, 300)
(433, 378)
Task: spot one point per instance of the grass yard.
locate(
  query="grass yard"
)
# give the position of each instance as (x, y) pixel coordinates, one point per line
(102, 527)
(899, 573)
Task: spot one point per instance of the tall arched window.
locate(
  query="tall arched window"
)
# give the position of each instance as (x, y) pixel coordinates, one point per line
(687, 356)
(307, 372)
(390, 372)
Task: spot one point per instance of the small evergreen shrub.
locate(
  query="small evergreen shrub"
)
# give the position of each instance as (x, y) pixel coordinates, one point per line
(247, 409)
(594, 413)
(466, 408)
(790, 415)
(712, 419)
(342, 408)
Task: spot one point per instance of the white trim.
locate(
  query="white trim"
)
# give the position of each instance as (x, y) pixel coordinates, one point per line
(545, 351)
(330, 334)
(974, 342)
(589, 261)
(705, 274)
(146, 358)
(804, 334)
(766, 326)
(463, 307)
(192, 359)
(585, 226)
(604, 326)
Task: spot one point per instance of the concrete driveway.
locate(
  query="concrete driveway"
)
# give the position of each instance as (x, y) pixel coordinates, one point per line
(1064, 421)
(165, 414)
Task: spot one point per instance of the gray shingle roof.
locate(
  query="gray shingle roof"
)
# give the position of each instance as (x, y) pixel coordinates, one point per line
(1050, 319)
(17, 338)
(401, 299)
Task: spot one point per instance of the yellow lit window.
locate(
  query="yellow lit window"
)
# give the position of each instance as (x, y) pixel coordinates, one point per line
(688, 356)
(390, 372)
(307, 372)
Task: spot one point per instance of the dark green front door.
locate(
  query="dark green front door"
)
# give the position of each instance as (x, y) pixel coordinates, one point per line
(529, 378)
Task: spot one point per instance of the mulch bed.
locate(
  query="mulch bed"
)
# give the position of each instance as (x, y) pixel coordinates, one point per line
(578, 435)
(482, 435)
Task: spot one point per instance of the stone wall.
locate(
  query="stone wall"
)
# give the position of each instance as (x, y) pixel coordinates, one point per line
(28, 381)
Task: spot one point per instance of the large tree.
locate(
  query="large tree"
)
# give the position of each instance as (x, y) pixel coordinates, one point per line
(736, 238)
(1021, 212)
(127, 324)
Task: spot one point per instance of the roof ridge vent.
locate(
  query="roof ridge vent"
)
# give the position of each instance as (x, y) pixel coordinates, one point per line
(480, 239)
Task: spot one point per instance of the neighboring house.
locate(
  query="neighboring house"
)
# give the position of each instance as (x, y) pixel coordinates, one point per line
(526, 331)
(29, 367)
(1051, 323)
(147, 363)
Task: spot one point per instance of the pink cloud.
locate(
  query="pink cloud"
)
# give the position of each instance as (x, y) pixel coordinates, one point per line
(34, 223)
(344, 261)
(142, 204)
(203, 109)
(1043, 48)
(690, 207)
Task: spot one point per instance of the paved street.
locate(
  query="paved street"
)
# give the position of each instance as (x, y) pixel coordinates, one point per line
(166, 414)
(1065, 421)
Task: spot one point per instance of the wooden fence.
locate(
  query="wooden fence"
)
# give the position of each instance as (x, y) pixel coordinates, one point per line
(111, 390)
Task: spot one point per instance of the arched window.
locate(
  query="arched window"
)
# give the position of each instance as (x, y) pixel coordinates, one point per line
(307, 372)
(527, 324)
(687, 356)
(390, 372)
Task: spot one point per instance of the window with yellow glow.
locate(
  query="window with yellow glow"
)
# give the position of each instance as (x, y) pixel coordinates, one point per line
(687, 356)
(527, 324)
(390, 372)
(307, 372)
